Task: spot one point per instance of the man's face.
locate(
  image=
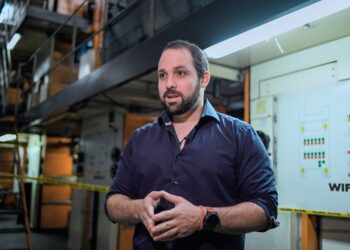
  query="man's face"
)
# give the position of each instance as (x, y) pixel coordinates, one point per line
(178, 84)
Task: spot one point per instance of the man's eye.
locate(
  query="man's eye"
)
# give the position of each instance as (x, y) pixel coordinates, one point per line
(181, 73)
(161, 75)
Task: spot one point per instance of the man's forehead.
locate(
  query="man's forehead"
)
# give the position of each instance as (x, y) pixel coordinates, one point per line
(176, 58)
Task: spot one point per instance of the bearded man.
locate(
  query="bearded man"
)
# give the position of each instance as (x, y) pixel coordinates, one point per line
(195, 178)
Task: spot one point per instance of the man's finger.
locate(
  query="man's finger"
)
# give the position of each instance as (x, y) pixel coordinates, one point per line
(164, 216)
(149, 224)
(162, 227)
(171, 234)
(156, 195)
(156, 203)
(150, 210)
(151, 202)
(172, 198)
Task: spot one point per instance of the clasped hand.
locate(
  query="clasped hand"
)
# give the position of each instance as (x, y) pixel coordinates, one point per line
(180, 221)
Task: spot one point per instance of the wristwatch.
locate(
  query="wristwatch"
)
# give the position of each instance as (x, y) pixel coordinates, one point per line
(211, 219)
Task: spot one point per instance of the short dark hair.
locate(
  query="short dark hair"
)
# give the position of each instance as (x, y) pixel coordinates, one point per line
(200, 61)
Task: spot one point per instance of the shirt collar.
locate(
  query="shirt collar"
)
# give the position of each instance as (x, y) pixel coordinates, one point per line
(207, 113)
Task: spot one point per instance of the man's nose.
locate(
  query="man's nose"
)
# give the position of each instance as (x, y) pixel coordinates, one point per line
(170, 83)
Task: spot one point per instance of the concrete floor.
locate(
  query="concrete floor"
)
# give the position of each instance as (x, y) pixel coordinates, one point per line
(41, 240)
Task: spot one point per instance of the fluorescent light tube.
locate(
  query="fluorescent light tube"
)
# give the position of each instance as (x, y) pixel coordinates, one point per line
(278, 26)
(7, 137)
(16, 37)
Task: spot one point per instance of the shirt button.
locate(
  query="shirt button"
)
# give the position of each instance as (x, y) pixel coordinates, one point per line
(176, 182)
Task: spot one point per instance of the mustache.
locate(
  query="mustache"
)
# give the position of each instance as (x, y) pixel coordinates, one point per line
(171, 92)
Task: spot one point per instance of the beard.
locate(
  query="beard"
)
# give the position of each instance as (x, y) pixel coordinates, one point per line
(186, 103)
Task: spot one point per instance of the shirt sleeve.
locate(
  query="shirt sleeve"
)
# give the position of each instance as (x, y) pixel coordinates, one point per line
(124, 180)
(256, 178)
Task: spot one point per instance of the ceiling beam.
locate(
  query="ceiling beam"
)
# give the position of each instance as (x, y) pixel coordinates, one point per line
(211, 24)
(56, 18)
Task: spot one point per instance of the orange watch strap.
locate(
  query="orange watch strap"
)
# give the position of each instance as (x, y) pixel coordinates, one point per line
(203, 214)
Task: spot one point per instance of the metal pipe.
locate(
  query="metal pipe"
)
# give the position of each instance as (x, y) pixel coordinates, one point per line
(2, 86)
(152, 18)
(49, 73)
(33, 80)
(94, 225)
(74, 38)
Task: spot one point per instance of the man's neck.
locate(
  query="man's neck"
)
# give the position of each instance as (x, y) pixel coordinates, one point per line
(192, 115)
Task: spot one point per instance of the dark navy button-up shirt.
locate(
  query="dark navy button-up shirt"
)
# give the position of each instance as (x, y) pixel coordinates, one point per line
(223, 163)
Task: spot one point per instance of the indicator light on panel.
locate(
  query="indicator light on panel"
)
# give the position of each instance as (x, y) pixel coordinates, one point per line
(325, 125)
(325, 170)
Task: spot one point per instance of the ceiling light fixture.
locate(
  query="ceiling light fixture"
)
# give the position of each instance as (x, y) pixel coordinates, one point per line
(16, 37)
(7, 137)
(278, 26)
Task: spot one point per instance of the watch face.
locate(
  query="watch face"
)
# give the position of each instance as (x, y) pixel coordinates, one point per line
(212, 220)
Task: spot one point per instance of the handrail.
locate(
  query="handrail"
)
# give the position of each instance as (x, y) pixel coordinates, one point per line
(124, 13)
(57, 30)
(133, 5)
(16, 18)
(68, 57)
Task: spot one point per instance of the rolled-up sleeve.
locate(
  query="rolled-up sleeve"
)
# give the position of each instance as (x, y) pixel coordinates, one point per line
(124, 181)
(256, 177)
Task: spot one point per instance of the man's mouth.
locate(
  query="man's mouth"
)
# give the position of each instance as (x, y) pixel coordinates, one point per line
(171, 96)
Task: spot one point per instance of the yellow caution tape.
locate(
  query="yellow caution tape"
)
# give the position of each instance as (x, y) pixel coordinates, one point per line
(315, 212)
(54, 181)
(104, 189)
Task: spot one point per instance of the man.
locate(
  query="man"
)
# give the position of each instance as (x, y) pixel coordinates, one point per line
(195, 178)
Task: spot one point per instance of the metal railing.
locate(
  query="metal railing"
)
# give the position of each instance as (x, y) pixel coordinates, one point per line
(144, 11)
(11, 18)
(13, 14)
(43, 63)
(42, 75)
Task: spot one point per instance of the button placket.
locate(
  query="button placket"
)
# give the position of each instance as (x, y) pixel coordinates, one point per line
(175, 181)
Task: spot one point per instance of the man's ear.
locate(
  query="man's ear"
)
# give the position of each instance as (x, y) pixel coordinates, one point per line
(205, 79)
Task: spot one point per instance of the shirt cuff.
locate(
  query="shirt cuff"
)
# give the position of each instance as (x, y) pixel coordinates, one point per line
(270, 214)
